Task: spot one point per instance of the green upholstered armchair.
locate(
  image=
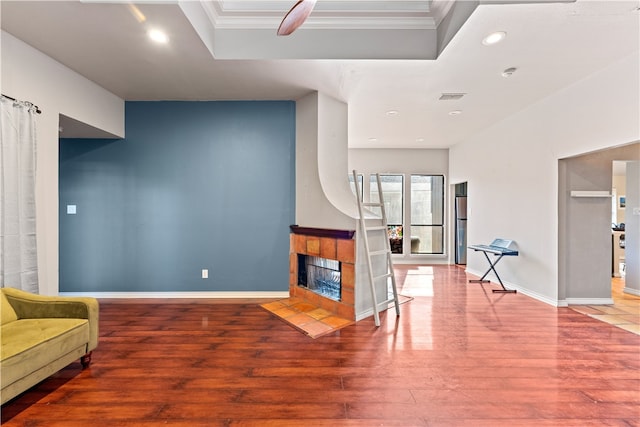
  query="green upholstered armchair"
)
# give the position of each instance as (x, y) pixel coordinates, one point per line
(41, 335)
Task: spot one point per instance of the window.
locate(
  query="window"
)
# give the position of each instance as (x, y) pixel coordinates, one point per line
(360, 184)
(392, 192)
(415, 212)
(427, 214)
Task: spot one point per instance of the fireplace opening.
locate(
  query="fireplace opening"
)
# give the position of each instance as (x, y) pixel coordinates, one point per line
(320, 275)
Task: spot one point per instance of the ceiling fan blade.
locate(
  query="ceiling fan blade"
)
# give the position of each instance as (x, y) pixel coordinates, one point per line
(296, 17)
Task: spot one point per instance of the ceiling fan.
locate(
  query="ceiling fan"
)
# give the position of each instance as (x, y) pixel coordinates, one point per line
(296, 16)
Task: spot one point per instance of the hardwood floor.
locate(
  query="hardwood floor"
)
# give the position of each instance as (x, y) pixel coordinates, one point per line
(459, 355)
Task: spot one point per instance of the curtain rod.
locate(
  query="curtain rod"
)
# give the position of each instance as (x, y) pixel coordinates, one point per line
(30, 103)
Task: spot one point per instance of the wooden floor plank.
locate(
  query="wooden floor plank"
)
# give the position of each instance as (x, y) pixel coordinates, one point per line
(459, 355)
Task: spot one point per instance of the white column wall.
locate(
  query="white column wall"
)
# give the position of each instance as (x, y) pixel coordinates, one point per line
(512, 170)
(322, 186)
(323, 196)
(27, 74)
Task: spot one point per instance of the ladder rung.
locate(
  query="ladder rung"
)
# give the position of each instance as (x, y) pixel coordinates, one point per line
(382, 252)
(376, 228)
(387, 275)
(378, 205)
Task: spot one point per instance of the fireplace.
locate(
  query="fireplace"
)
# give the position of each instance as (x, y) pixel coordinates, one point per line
(322, 268)
(320, 275)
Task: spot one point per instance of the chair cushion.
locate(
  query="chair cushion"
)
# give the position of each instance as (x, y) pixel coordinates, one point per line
(7, 312)
(28, 344)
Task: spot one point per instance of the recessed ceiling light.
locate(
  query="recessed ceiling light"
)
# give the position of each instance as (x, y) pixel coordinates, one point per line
(419, 139)
(494, 38)
(455, 112)
(451, 96)
(158, 36)
(373, 139)
(392, 113)
(509, 72)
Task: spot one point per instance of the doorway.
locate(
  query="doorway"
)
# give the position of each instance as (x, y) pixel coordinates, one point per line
(618, 212)
(585, 250)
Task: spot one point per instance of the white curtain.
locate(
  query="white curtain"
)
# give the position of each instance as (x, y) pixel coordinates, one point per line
(18, 255)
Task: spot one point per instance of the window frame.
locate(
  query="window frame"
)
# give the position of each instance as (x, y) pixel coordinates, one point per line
(396, 249)
(441, 224)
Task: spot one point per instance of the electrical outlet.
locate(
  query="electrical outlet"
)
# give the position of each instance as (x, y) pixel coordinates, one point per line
(636, 211)
(205, 273)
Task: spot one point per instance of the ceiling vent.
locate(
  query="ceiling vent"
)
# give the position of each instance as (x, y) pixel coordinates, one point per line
(451, 96)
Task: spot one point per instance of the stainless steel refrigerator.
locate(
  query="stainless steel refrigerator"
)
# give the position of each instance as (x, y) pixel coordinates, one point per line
(461, 230)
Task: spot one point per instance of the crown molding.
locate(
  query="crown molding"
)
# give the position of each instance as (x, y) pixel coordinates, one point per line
(327, 23)
(340, 15)
(282, 6)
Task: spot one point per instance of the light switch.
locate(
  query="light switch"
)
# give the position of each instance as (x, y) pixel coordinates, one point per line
(205, 273)
(71, 209)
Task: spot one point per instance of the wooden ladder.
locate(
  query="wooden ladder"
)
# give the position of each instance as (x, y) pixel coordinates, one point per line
(376, 231)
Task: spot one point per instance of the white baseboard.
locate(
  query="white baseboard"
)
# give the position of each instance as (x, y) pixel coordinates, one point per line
(589, 301)
(631, 291)
(416, 260)
(535, 295)
(364, 314)
(219, 295)
(369, 311)
(520, 289)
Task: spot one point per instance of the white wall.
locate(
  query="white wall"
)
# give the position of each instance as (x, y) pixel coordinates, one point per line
(321, 135)
(27, 74)
(512, 170)
(409, 161)
(333, 153)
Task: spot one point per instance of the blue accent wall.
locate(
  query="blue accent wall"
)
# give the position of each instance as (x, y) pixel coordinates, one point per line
(193, 185)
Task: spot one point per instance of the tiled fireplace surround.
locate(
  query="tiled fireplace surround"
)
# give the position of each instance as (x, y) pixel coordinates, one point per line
(311, 242)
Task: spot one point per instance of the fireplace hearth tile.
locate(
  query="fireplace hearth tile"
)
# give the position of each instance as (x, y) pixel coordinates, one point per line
(304, 307)
(318, 329)
(292, 301)
(275, 305)
(285, 312)
(300, 319)
(314, 323)
(319, 313)
(336, 322)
